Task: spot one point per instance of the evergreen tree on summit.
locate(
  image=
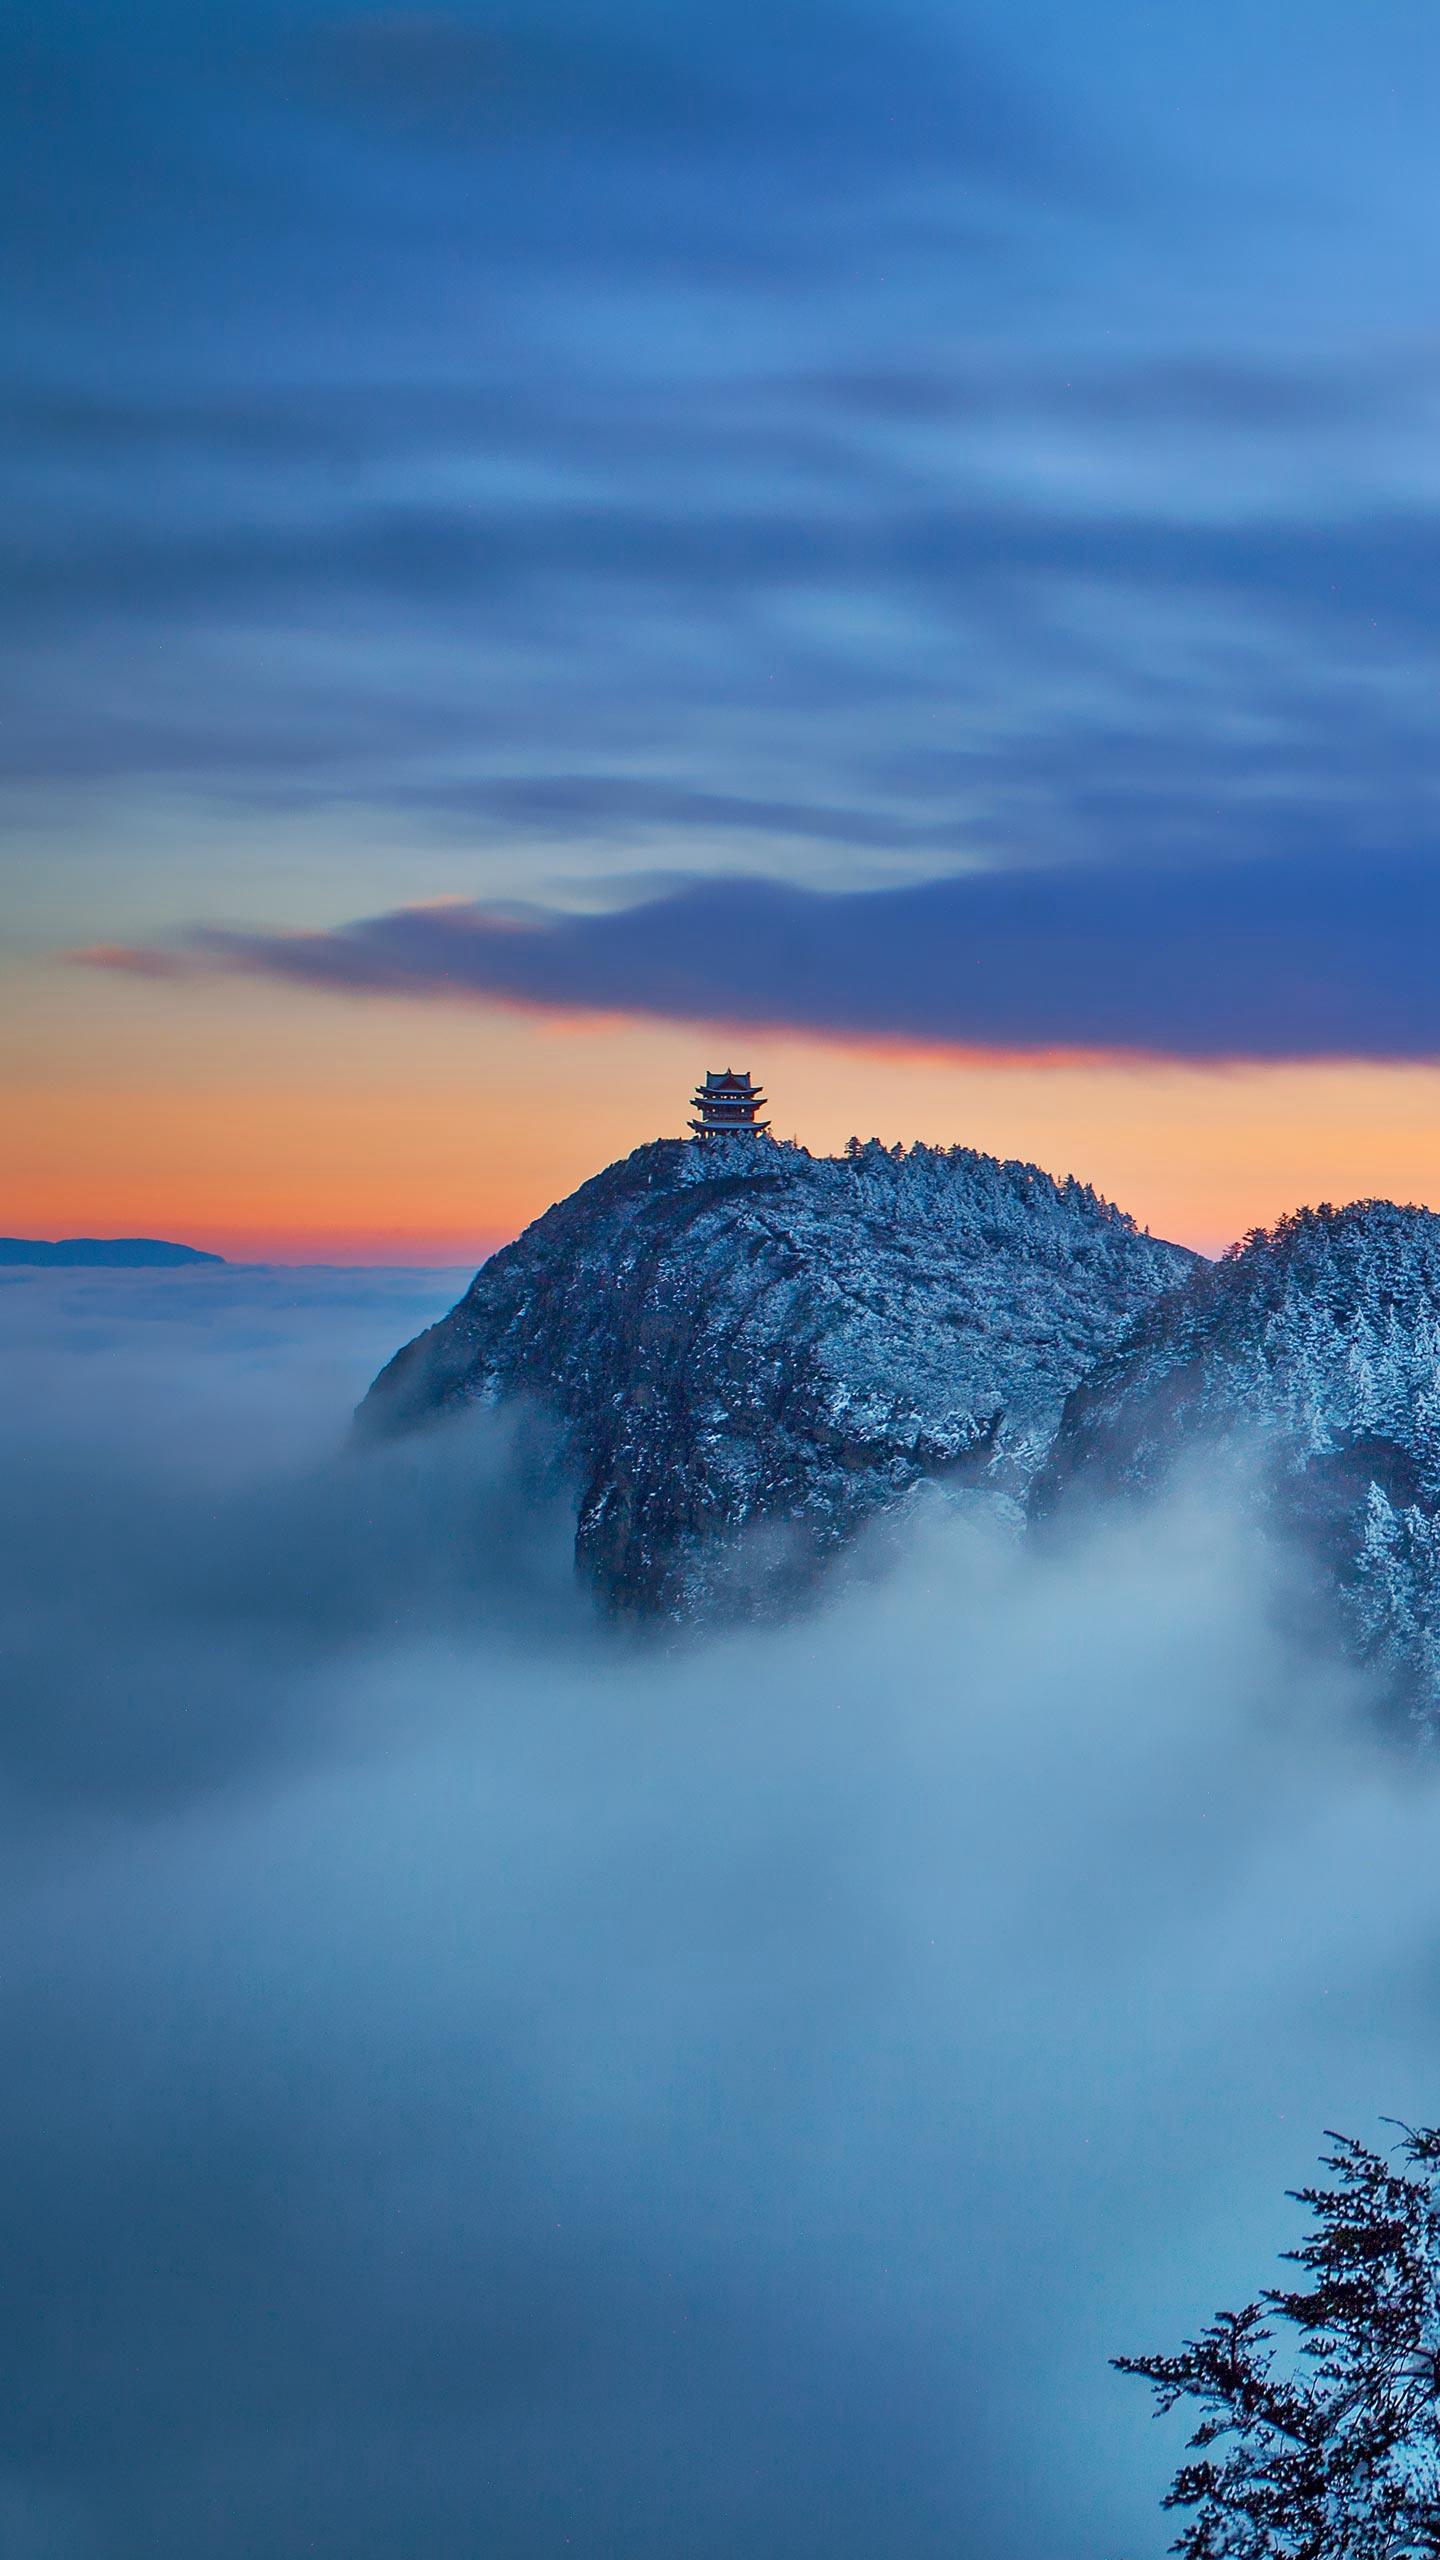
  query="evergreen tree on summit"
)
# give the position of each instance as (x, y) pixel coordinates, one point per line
(1324, 2444)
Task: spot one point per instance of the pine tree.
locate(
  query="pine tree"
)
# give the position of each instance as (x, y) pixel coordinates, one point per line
(1326, 2447)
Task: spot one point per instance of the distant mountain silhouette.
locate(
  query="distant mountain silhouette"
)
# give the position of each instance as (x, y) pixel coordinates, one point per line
(115, 1253)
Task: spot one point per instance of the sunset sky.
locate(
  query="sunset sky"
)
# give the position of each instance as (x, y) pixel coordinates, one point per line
(553, 546)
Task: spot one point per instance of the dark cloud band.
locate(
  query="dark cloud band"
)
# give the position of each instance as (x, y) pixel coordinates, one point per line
(1249, 960)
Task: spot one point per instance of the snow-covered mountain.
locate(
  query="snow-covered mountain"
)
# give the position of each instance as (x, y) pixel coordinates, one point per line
(1312, 1351)
(746, 1352)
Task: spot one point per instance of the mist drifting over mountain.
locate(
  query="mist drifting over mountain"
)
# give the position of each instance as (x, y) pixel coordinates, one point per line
(746, 1353)
(480, 2082)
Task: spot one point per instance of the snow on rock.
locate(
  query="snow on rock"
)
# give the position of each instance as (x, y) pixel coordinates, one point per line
(745, 1352)
(1314, 1348)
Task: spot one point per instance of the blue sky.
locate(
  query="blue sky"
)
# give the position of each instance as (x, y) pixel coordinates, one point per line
(530, 452)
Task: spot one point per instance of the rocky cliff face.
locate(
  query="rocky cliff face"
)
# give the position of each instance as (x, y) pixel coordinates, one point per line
(1312, 1353)
(746, 1353)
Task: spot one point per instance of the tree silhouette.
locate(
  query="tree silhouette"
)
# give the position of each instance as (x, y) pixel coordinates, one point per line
(1319, 2437)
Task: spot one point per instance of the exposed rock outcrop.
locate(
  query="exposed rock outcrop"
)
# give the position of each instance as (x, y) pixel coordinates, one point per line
(1312, 1354)
(746, 1353)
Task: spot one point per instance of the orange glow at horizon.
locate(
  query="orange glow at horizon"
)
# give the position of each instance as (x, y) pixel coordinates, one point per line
(271, 1124)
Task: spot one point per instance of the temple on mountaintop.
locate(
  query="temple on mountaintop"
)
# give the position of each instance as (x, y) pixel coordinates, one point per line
(727, 1102)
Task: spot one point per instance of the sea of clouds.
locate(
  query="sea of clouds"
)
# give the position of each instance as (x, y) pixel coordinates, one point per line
(480, 2084)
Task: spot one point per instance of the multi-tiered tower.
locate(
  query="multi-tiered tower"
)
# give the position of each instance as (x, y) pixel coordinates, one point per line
(726, 1103)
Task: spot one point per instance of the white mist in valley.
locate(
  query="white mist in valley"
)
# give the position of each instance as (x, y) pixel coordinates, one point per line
(483, 2083)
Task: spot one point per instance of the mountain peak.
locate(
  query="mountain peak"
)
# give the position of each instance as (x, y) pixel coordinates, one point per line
(730, 1336)
(1314, 1346)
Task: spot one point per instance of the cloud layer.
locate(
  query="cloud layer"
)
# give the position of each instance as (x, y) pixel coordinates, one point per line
(840, 445)
(477, 2085)
(1250, 960)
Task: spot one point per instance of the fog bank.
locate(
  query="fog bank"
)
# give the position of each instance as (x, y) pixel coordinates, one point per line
(479, 2085)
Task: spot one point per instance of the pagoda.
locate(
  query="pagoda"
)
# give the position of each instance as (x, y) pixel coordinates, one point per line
(728, 1102)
